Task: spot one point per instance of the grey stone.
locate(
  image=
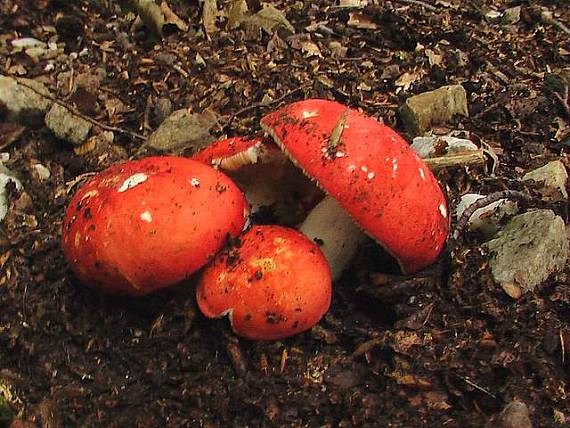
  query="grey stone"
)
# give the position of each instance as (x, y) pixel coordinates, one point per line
(6, 176)
(511, 15)
(493, 16)
(421, 111)
(553, 177)
(67, 126)
(527, 250)
(515, 415)
(181, 130)
(162, 109)
(22, 104)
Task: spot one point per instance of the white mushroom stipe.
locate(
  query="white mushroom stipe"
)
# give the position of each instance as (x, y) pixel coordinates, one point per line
(235, 162)
(146, 216)
(132, 181)
(337, 235)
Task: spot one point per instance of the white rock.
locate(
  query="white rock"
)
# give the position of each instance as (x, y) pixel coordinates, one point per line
(425, 147)
(28, 42)
(41, 171)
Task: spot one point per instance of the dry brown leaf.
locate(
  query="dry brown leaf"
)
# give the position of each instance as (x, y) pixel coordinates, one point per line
(9, 133)
(434, 59)
(353, 3)
(236, 14)
(404, 341)
(337, 49)
(304, 43)
(270, 19)
(171, 18)
(209, 16)
(406, 80)
(362, 21)
(150, 14)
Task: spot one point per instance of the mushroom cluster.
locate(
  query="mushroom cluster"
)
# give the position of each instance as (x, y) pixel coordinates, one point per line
(330, 172)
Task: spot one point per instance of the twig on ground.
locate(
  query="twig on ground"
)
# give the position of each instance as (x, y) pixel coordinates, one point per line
(419, 3)
(563, 103)
(81, 115)
(466, 158)
(483, 202)
(236, 356)
(261, 104)
(477, 387)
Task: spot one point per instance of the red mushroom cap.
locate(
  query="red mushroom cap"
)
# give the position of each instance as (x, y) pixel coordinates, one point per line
(147, 224)
(225, 148)
(275, 283)
(233, 153)
(371, 171)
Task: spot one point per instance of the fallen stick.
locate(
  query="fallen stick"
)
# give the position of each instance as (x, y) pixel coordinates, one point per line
(76, 112)
(466, 158)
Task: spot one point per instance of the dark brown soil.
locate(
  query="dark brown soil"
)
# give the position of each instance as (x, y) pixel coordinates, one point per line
(446, 347)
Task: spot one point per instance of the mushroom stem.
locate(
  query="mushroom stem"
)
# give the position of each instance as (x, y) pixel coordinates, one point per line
(335, 232)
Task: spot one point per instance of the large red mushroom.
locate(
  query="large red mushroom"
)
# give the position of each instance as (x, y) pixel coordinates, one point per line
(144, 225)
(373, 175)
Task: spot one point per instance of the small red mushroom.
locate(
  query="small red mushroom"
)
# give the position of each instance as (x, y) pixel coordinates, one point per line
(233, 153)
(371, 172)
(144, 225)
(273, 284)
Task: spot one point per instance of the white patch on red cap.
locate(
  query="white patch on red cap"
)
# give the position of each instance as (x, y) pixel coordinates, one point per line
(132, 181)
(394, 167)
(339, 154)
(351, 168)
(89, 194)
(309, 113)
(194, 182)
(146, 216)
(422, 174)
(443, 210)
(370, 175)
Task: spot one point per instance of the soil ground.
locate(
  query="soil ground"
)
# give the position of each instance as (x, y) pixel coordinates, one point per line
(446, 347)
